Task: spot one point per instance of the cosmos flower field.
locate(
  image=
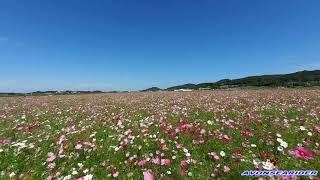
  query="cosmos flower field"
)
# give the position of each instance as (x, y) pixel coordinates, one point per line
(161, 135)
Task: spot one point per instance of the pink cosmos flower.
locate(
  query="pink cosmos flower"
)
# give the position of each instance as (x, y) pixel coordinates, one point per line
(246, 132)
(318, 128)
(244, 144)
(92, 145)
(51, 157)
(115, 174)
(78, 146)
(61, 139)
(203, 131)
(186, 125)
(183, 163)
(226, 169)
(51, 165)
(214, 155)
(305, 141)
(67, 177)
(86, 143)
(148, 175)
(142, 163)
(289, 178)
(165, 162)
(61, 152)
(177, 130)
(194, 141)
(302, 152)
(225, 138)
(179, 146)
(6, 142)
(156, 161)
(183, 172)
(165, 147)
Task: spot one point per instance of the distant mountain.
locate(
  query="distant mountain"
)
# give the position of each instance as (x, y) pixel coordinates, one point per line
(185, 86)
(301, 78)
(153, 89)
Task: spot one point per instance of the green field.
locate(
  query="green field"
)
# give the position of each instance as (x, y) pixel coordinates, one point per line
(177, 135)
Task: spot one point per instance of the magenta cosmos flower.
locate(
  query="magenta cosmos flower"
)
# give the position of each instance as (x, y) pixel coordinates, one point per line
(148, 175)
(302, 152)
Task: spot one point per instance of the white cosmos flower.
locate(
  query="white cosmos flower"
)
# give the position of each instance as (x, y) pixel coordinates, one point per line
(280, 148)
(80, 165)
(12, 174)
(253, 145)
(255, 162)
(309, 133)
(279, 140)
(284, 144)
(268, 166)
(279, 135)
(222, 154)
(302, 128)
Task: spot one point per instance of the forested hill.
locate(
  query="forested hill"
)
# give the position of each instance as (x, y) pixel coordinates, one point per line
(301, 78)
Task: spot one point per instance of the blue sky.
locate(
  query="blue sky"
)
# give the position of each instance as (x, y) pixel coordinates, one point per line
(130, 45)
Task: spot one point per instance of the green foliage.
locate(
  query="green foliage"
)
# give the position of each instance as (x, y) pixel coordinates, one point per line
(302, 78)
(153, 89)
